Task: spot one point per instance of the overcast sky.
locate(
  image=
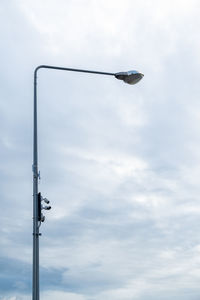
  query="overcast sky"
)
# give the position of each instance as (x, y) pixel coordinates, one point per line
(119, 163)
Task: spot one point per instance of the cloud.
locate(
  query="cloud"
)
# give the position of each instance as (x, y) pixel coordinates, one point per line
(119, 163)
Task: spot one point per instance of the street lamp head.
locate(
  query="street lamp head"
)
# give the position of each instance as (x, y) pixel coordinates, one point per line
(130, 77)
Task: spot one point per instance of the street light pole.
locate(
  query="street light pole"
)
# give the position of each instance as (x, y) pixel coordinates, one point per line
(130, 77)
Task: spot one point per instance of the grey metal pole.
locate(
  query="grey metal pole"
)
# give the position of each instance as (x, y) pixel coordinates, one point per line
(129, 77)
(35, 282)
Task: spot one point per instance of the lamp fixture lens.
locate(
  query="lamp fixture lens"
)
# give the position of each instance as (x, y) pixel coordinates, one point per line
(130, 77)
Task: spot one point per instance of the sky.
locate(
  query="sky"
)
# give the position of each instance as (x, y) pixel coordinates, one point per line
(119, 163)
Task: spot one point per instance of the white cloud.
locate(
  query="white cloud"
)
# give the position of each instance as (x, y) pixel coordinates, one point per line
(51, 295)
(120, 163)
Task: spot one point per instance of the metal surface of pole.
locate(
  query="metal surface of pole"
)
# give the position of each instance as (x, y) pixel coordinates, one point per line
(35, 281)
(126, 76)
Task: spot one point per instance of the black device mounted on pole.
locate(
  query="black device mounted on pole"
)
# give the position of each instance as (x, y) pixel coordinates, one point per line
(39, 207)
(41, 217)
